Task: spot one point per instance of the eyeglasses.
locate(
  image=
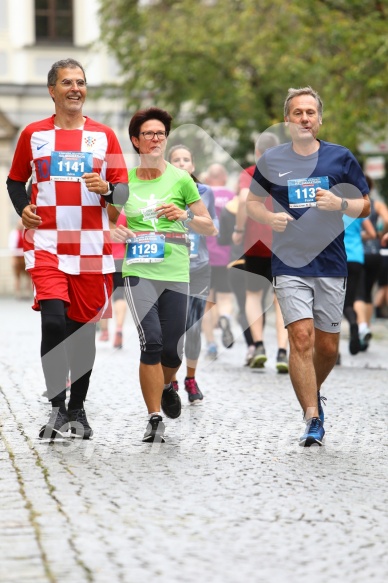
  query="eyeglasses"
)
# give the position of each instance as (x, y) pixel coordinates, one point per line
(68, 83)
(150, 135)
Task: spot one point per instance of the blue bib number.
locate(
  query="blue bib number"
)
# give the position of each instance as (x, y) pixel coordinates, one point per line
(70, 166)
(194, 245)
(148, 248)
(302, 192)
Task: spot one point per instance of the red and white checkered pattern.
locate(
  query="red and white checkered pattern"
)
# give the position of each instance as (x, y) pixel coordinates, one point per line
(74, 235)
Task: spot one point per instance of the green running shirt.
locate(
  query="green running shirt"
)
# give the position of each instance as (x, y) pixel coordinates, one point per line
(173, 186)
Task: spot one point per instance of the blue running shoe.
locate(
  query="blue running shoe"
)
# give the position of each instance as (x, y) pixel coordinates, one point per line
(321, 401)
(314, 433)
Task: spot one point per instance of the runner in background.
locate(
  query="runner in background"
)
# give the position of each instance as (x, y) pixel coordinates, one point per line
(181, 157)
(257, 241)
(23, 286)
(220, 303)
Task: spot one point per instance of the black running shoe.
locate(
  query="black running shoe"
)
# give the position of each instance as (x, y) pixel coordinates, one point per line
(171, 403)
(354, 343)
(79, 424)
(56, 427)
(227, 335)
(155, 430)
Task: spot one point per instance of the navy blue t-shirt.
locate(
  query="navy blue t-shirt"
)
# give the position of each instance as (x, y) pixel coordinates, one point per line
(313, 243)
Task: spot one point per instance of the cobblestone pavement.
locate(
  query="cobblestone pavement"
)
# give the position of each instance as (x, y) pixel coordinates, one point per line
(230, 497)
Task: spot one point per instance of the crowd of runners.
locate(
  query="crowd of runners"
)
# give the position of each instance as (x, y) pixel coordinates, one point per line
(191, 253)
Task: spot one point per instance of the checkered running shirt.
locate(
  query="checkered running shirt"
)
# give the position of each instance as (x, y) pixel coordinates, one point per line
(74, 235)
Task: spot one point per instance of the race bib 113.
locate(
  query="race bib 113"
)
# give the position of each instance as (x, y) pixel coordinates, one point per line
(302, 191)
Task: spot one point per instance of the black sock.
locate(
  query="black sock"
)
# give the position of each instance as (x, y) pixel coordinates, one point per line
(282, 352)
(60, 404)
(73, 405)
(259, 343)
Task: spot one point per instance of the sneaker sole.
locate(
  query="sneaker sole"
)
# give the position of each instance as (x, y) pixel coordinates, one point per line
(282, 368)
(227, 336)
(258, 361)
(227, 340)
(75, 435)
(55, 435)
(310, 441)
(195, 401)
(154, 438)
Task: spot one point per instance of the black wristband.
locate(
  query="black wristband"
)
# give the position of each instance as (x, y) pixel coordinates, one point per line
(109, 195)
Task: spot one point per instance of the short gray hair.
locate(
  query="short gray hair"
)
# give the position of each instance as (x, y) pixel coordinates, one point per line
(302, 91)
(266, 140)
(64, 64)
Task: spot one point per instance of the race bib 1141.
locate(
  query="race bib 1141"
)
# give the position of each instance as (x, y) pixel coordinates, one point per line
(70, 166)
(302, 191)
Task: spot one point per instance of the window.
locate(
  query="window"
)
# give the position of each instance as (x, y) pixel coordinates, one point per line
(54, 21)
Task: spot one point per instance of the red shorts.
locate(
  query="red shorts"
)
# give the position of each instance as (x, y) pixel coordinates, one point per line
(88, 296)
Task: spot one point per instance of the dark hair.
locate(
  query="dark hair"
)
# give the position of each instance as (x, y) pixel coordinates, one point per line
(144, 115)
(179, 147)
(182, 147)
(64, 64)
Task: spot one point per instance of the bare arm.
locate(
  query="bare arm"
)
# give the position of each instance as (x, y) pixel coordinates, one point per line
(257, 210)
(368, 229)
(382, 211)
(201, 223)
(357, 207)
(241, 217)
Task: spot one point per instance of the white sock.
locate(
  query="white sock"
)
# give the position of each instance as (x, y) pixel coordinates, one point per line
(152, 414)
(167, 386)
(362, 327)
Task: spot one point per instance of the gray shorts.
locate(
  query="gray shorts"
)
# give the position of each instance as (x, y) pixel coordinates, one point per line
(319, 298)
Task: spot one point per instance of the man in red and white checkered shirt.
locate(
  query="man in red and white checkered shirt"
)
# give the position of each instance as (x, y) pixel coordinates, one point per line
(77, 169)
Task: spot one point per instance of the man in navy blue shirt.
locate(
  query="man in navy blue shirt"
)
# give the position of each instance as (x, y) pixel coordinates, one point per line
(312, 183)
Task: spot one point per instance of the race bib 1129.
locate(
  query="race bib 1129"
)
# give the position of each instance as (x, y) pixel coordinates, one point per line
(147, 248)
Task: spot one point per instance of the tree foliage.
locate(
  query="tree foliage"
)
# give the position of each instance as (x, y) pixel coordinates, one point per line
(226, 65)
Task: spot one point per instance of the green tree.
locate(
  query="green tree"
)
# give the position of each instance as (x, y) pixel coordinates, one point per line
(226, 65)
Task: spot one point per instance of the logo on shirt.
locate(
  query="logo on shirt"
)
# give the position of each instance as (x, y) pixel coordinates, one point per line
(284, 173)
(41, 146)
(89, 141)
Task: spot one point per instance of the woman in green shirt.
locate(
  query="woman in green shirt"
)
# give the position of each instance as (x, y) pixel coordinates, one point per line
(156, 265)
